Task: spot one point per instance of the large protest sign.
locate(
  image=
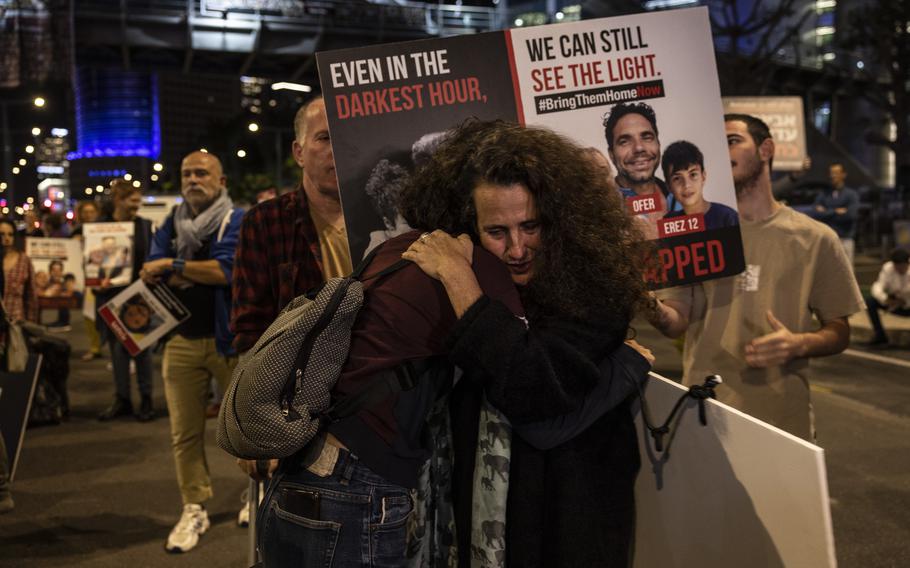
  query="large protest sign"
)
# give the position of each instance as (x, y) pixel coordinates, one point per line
(16, 393)
(142, 314)
(108, 253)
(785, 117)
(58, 271)
(388, 104)
(737, 492)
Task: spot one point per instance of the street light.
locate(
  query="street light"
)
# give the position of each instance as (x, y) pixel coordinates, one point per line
(285, 85)
(29, 149)
(22, 161)
(39, 102)
(253, 127)
(15, 170)
(127, 177)
(241, 153)
(158, 166)
(36, 131)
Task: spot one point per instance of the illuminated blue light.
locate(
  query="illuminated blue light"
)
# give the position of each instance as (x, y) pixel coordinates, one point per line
(116, 115)
(106, 173)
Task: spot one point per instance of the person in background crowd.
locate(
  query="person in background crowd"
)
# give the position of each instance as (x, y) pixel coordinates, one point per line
(126, 201)
(20, 301)
(758, 329)
(891, 293)
(6, 498)
(19, 292)
(87, 212)
(55, 226)
(783, 184)
(291, 244)
(193, 251)
(839, 208)
(31, 225)
(684, 169)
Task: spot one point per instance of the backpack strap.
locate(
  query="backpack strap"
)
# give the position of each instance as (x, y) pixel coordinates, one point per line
(361, 268)
(303, 355)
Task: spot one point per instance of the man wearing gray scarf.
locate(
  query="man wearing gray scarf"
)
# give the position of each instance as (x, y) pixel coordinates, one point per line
(193, 251)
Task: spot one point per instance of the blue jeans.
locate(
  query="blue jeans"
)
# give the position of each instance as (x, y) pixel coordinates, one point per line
(356, 519)
(120, 360)
(63, 317)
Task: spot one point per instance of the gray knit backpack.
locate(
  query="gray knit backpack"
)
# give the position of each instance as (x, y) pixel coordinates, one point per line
(279, 396)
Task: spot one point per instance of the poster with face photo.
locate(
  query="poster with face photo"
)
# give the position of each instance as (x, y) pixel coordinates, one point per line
(58, 271)
(142, 314)
(635, 91)
(108, 254)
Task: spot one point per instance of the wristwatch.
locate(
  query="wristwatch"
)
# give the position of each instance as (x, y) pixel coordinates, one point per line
(178, 265)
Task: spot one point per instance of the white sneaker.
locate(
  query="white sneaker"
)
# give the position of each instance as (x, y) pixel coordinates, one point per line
(243, 517)
(185, 535)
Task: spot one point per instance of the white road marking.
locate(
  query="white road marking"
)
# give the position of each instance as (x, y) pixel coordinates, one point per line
(878, 358)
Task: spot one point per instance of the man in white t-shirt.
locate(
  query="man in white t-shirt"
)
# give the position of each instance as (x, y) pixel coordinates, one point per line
(890, 292)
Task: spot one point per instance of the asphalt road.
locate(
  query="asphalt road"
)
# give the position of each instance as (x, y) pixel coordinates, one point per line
(105, 494)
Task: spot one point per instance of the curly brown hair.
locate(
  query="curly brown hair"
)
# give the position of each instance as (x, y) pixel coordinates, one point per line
(591, 260)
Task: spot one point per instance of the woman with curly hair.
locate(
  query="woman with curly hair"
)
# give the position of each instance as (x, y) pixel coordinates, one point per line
(538, 202)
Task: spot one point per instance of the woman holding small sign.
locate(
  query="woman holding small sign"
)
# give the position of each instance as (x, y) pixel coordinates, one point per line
(127, 200)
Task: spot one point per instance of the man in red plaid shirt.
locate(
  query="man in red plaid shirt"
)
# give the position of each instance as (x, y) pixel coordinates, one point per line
(289, 244)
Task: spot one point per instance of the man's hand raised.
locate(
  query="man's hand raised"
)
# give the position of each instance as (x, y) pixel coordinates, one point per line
(775, 348)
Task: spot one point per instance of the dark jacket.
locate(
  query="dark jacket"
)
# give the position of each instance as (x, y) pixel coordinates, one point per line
(572, 505)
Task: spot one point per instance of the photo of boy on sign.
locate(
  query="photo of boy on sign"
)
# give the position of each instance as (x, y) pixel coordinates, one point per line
(684, 169)
(137, 316)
